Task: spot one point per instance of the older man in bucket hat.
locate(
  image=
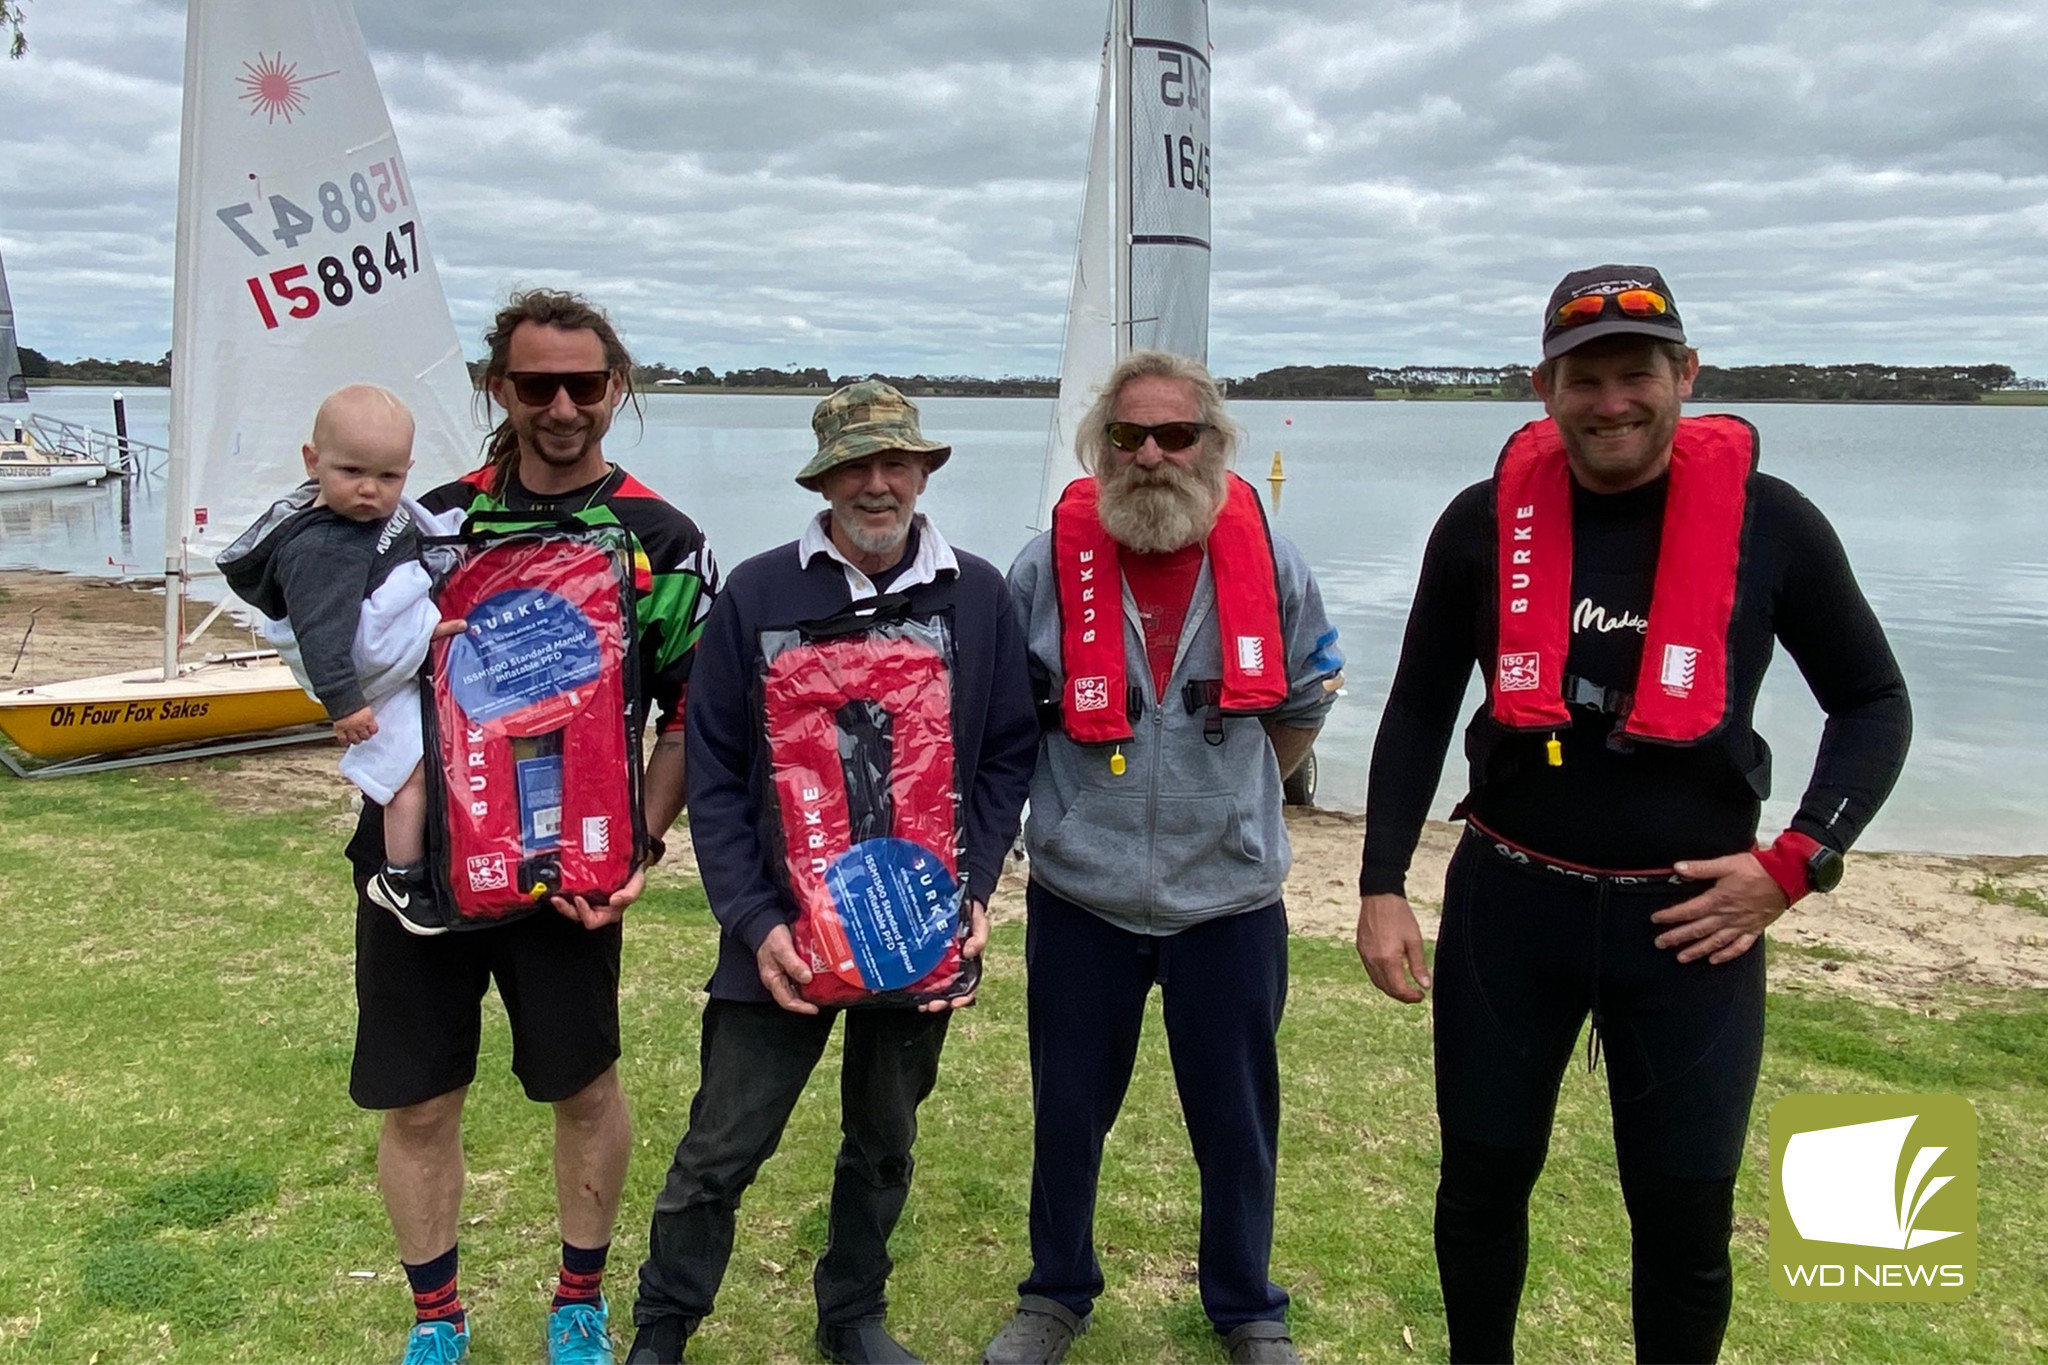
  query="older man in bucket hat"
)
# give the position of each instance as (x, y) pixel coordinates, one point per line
(761, 1038)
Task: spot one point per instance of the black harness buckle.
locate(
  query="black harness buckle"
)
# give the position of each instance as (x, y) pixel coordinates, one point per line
(1204, 697)
(1585, 692)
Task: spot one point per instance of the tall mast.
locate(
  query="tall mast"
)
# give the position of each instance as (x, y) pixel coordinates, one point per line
(1120, 106)
(185, 359)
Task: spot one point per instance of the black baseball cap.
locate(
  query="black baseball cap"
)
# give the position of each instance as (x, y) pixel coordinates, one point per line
(1634, 300)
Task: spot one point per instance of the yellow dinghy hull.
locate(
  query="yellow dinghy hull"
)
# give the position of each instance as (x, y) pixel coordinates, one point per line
(119, 713)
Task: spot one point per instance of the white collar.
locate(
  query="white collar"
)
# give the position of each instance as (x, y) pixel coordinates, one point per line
(934, 557)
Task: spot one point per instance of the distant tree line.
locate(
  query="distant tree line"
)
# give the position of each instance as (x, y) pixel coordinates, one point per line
(142, 373)
(1716, 383)
(1851, 383)
(657, 376)
(817, 377)
(1365, 381)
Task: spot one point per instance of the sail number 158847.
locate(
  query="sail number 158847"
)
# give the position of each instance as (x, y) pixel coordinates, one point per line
(339, 279)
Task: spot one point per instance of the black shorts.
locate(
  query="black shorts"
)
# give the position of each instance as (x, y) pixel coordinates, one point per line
(1525, 954)
(419, 1003)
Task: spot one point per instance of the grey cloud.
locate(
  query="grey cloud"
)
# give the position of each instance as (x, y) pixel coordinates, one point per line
(897, 189)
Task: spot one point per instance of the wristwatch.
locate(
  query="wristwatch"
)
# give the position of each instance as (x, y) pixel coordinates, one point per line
(657, 849)
(1799, 864)
(1824, 869)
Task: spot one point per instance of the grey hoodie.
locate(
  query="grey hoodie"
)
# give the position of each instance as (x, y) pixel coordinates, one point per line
(1190, 831)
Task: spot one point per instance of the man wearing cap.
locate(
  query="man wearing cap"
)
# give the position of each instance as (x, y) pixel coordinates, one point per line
(1620, 579)
(761, 1039)
(1187, 665)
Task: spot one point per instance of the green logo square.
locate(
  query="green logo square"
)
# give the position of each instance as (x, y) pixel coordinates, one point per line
(1873, 1198)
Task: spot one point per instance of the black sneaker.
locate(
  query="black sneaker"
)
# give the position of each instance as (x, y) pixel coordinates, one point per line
(409, 895)
(866, 1342)
(660, 1342)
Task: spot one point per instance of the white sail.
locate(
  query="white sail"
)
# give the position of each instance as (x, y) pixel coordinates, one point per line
(1141, 264)
(1090, 348)
(1169, 177)
(12, 387)
(302, 265)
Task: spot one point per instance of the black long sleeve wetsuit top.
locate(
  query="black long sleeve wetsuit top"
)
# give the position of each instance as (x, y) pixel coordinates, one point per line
(1647, 805)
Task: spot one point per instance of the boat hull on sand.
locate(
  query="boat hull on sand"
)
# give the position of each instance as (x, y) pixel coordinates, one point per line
(120, 713)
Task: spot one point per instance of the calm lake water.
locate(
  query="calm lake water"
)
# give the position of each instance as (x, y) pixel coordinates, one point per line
(1943, 512)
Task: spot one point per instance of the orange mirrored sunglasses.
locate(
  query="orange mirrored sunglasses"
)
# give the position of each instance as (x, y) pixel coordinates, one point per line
(1636, 303)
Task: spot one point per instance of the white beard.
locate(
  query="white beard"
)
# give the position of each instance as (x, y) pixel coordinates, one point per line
(888, 540)
(1151, 514)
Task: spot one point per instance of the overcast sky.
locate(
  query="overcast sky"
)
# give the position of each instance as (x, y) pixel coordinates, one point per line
(895, 187)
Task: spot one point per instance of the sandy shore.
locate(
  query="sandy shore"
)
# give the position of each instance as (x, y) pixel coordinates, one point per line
(1902, 926)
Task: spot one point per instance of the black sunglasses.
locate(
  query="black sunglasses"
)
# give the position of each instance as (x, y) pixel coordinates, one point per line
(1171, 436)
(536, 388)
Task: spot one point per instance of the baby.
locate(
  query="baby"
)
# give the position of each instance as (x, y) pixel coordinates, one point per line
(335, 569)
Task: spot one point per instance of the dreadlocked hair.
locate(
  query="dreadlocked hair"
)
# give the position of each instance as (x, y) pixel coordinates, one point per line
(549, 308)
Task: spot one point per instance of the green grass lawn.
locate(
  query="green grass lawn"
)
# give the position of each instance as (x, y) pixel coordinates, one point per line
(183, 1178)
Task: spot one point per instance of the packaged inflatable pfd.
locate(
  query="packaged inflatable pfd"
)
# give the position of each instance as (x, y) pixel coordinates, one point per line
(857, 713)
(532, 757)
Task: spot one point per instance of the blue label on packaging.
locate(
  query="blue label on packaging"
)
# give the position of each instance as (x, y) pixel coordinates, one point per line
(540, 801)
(522, 648)
(899, 907)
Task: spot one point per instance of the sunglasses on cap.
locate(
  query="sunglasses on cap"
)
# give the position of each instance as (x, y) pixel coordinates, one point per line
(1635, 303)
(1171, 436)
(536, 388)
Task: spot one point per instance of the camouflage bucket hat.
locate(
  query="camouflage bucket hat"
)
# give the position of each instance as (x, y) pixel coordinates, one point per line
(866, 419)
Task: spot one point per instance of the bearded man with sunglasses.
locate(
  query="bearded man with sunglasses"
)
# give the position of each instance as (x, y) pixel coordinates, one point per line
(560, 372)
(1184, 664)
(1621, 580)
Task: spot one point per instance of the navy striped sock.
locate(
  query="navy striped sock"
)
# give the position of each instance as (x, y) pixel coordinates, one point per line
(582, 1279)
(434, 1297)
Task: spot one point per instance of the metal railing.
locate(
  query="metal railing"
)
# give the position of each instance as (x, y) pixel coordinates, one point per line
(123, 454)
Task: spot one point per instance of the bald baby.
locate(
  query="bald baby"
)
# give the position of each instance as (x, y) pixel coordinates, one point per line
(360, 451)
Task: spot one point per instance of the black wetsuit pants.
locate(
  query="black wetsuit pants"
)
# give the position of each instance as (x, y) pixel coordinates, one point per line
(1526, 952)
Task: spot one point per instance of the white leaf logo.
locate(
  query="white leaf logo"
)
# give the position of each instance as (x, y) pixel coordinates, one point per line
(1838, 1185)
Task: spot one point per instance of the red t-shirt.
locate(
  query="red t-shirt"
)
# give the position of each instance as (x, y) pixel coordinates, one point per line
(1162, 585)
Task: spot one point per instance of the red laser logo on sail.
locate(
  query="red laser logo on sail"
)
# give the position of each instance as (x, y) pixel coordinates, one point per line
(274, 87)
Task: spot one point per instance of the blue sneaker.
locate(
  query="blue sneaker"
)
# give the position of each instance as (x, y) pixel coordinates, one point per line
(436, 1343)
(580, 1334)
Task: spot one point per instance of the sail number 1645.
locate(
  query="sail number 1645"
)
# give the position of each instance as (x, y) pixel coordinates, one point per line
(1187, 163)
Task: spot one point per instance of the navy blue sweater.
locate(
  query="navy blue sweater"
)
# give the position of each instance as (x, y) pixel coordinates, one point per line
(733, 824)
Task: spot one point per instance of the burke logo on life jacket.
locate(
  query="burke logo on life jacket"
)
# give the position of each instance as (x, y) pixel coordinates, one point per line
(1088, 599)
(1522, 557)
(473, 738)
(814, 828)
(1251, 655)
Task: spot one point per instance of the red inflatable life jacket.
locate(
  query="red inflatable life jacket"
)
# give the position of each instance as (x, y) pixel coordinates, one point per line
(1681, 692)
(532, 755)
(859, 730)
(1089, 585)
